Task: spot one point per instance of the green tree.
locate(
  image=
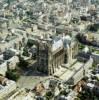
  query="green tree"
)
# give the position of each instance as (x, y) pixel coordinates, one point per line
(25, 52)
(23, 64)
(13, 75)
(49, 95)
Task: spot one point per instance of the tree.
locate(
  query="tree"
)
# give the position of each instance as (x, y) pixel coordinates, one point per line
(81, 46)
(49, 95)
(93, 28)
(23, 64)
(63, 92)
(25, 52)
(12, 74)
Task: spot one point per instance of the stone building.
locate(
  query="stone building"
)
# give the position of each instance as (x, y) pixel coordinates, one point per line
(6, 87)
(3, 67)
(55, 51)
(50, 56)
(22, 94)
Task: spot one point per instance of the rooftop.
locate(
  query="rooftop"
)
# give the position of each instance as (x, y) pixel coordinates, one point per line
(22, 94)
(66, 73)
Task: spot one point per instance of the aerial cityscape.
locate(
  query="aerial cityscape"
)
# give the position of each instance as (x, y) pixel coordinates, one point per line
(49, 49)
